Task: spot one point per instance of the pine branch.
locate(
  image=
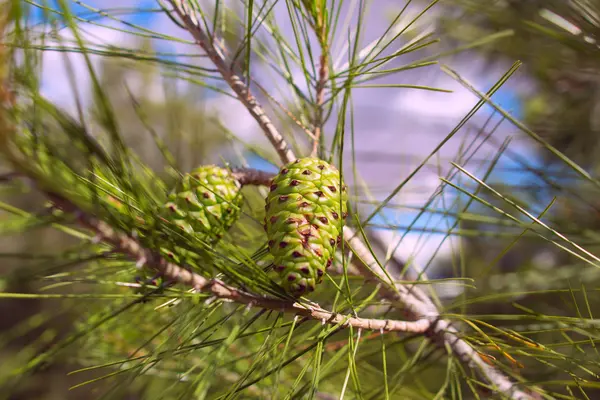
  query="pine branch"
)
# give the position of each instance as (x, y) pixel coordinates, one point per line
(321, 83)
(250, 176)
(441, 331)
(128, 245)
(416, 302)
(285, 110)
(320, 27)
(234, 81)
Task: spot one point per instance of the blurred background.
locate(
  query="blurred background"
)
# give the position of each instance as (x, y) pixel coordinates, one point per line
(554, 93)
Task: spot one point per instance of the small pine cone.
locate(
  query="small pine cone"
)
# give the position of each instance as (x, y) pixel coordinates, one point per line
(206, 202)
(306, 207)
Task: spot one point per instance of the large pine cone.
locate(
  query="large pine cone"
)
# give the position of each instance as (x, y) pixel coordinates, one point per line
(305, 211)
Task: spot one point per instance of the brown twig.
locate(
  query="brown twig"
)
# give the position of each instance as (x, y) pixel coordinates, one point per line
(442, 331)
(250, 176)
(417, 303)
(286, 111)
(320, 89)
(234, 81)
(128, 245)
(321, 30)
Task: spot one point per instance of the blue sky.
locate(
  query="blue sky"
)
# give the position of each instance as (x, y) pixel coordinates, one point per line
(144, 19)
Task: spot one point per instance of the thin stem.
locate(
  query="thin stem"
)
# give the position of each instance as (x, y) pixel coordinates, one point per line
(234, 81)
(286, 111)
(321, 81)
(129, 246)
(252, 177)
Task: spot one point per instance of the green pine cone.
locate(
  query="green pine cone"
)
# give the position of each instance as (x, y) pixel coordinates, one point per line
(206, 202)
(304, 210)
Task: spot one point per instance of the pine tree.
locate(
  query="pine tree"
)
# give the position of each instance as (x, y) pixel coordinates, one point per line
(216, 321)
